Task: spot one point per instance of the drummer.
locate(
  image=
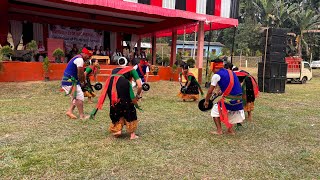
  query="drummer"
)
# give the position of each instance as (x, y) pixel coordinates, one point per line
(229, 108)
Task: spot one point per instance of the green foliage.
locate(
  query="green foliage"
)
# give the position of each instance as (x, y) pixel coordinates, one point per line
(191, 62)
(158, 59)
(149, 57)
(58, 53)
(45, 65)
(258, 53)
(5, 53)
(174, 68)
(166, 61)
(32, 46)
(179, 56)
(226, 51)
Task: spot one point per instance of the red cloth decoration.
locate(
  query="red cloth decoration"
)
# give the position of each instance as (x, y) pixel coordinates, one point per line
(223, 112)
(114, 94)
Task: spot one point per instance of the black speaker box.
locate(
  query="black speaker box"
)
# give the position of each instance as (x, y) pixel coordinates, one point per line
(276, 32)
(279, 40)
(275, 48)
(275, 57)
(272, 85)
(273, 70)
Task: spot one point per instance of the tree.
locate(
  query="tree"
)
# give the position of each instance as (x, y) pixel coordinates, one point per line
(305, 19)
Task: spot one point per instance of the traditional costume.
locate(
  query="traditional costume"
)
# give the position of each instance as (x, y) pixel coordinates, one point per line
(121, 95)
(88, 90)
(229, 108)
(142, 69)
(191, 91)
(250, 89)
(70, 82)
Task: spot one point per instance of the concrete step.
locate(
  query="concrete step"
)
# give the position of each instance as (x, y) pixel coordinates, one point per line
(105, 71)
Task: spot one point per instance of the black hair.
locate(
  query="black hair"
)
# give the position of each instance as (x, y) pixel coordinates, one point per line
(185, 66)
(228, 65)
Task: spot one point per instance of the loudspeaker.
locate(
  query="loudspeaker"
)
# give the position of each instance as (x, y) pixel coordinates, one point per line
(272, 85)
(279, 40)
(275, 57)
(272, 48)
(273, 70)
(276, 32)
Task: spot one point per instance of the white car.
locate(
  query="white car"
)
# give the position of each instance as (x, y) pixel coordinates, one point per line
(315, 64)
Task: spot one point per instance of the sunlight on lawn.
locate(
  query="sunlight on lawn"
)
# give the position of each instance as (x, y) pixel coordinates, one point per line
(38, 141)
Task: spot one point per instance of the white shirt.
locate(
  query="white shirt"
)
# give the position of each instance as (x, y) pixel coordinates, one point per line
(215, 79)
(79, 62)
(136, 67)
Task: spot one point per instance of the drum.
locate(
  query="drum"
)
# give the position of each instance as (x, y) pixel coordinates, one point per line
(145, 86)
(98, 86)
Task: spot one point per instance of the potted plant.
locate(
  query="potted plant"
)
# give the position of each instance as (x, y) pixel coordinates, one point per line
(45, 65)
(166, 61)
(5, 53)
(33, 48)
(58, 54)
(154, 69)
(191, 62)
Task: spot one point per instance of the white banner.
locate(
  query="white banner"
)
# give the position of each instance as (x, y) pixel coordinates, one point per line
(78, 36)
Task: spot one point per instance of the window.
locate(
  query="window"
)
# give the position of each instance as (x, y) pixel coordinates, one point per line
(181, 4)
(307, 65)
(144, 2)
(210, 7)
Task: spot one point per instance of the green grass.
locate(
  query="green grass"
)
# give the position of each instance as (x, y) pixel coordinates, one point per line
(37, 140)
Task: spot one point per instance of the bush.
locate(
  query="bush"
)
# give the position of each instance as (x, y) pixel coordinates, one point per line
(5, 53)
(149, 57)
(32, 46)
(58, 54)
(191, 62)
(166, 61)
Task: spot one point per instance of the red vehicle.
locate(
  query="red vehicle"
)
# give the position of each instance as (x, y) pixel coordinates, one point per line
(298, 70)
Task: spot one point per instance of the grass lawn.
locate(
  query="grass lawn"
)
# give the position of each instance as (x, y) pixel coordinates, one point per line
(37, 140)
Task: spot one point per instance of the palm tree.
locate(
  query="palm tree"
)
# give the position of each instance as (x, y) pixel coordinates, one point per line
(305, 19)
(267, 11)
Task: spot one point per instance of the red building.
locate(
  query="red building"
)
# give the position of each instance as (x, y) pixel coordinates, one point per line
(118, 20)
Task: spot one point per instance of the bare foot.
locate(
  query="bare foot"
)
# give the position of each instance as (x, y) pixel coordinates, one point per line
(133, 136)
(231, 132)
(71, 116)
(84, 117)
(216, 132)
(90, 102)
(117, 134)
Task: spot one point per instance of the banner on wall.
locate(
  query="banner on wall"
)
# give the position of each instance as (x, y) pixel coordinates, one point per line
(78, 36)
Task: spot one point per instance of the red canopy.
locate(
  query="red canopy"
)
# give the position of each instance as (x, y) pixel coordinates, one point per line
(115, 15)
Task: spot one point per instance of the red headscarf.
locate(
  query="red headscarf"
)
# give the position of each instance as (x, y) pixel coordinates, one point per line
(87, 52)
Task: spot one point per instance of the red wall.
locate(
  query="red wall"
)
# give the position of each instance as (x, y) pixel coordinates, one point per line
(33, 71)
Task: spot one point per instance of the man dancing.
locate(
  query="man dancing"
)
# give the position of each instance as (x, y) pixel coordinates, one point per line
(143, 70)
(73, 76)
(229, 109)
(123, 102)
